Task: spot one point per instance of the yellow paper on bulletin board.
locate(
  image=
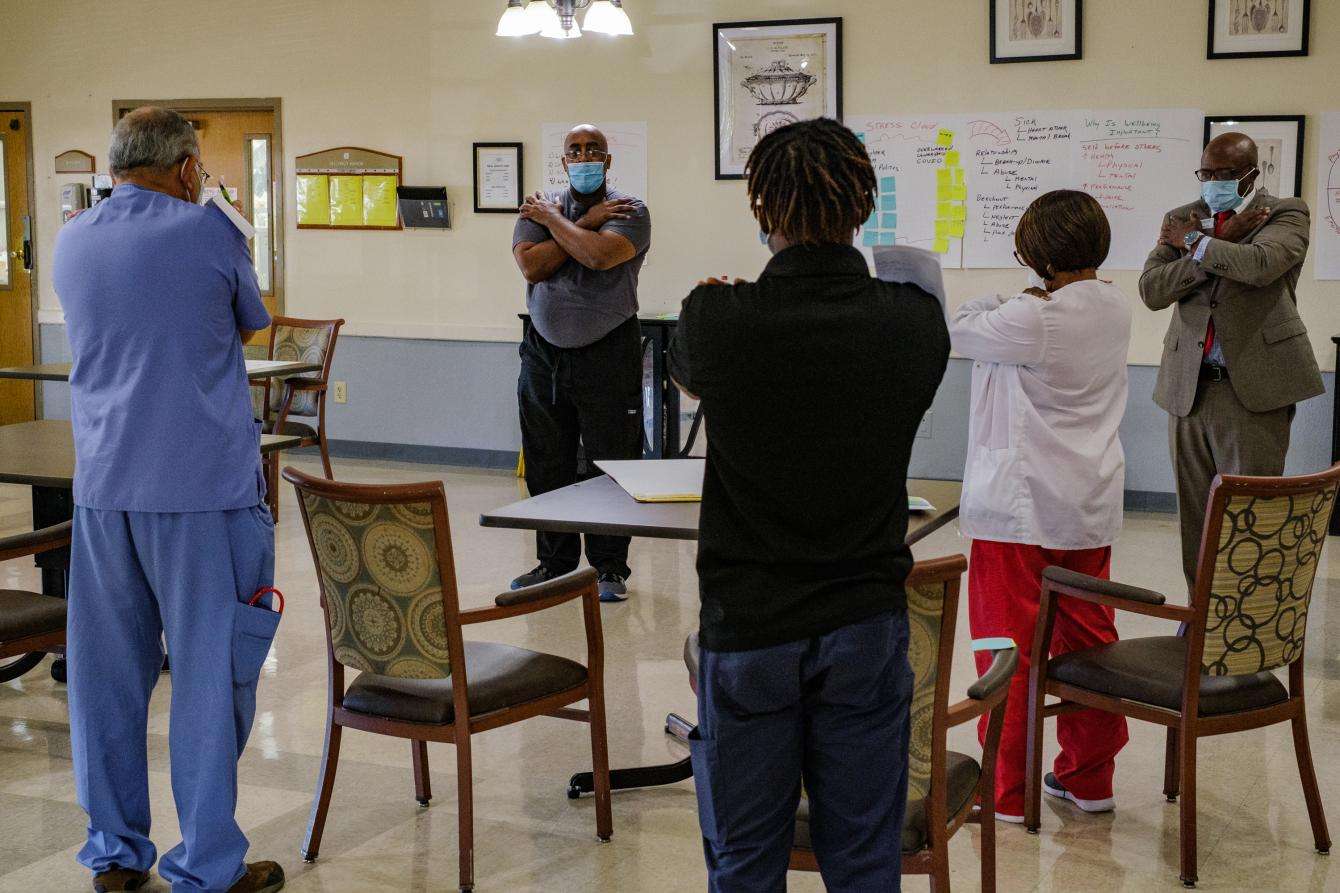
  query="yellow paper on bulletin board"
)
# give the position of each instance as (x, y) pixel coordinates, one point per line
(379, 200)
(313, 200)
(346, 201)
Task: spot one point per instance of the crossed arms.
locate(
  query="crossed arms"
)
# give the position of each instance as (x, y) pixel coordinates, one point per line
(581, 241)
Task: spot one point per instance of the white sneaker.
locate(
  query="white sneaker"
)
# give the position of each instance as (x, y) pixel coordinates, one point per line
(1053, 787)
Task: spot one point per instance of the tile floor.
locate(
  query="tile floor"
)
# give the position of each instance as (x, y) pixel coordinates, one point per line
(1254, 831)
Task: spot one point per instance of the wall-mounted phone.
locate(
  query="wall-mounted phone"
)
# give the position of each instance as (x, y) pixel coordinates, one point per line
(73, 199)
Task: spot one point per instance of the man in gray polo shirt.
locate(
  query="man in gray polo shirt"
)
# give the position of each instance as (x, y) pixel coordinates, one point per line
(581, 357)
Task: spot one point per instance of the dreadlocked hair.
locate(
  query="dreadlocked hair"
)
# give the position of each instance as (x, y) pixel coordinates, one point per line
(811, 182)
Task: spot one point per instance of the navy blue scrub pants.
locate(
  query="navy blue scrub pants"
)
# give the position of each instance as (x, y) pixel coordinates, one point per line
(833, 710)
(136, 576)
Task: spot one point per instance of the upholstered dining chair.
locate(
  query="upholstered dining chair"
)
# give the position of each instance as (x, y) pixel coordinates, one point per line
(1248, 614)
(388, 588)
(946, 789)
(30, 623)
(300, 396)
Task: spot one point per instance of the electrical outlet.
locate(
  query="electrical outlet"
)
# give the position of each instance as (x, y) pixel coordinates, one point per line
(341, 393)
(924, 429)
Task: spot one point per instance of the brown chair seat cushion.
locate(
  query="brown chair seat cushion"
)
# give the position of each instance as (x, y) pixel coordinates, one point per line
(291, 429)
(498, 676)
(25, 614)
(1151, 670)
(962, 773)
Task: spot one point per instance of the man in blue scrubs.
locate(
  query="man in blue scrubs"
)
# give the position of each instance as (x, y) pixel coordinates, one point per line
(171, 534)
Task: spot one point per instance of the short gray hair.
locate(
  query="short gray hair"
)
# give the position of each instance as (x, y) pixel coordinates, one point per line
(151, 137)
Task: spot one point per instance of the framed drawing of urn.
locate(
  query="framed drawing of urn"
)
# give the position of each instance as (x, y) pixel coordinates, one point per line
(1258, 29)
(768, 75)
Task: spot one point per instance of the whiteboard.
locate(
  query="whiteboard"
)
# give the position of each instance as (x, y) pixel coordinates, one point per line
(906, 157)
(1136, 162)
(1328, 198)
(628, 146)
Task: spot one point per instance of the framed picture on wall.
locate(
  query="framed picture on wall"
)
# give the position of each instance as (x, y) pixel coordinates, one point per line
(497, 178)
(770, 74)
(1279, 146)
(1036, 30)
(1256, 29)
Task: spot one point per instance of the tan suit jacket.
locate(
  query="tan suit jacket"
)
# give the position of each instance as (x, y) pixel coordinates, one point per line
(1249, 289)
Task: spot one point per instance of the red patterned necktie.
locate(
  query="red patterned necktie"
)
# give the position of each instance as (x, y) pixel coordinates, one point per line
(1219, 220)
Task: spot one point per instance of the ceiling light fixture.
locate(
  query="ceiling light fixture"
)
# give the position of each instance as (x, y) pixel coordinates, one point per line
(557, 19)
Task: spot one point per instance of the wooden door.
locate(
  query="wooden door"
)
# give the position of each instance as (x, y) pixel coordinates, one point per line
(228, 142)
(16, 259)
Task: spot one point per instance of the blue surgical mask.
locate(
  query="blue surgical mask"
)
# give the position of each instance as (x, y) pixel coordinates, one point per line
(1221, 195)
(762, 238)
(586, 176)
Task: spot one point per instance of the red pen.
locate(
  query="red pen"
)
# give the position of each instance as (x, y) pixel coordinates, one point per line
(268, 590)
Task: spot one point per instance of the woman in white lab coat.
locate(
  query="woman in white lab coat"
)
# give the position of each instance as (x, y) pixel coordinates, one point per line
(1045, 474)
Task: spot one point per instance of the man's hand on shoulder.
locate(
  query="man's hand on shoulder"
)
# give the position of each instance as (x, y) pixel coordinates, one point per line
(1174, 231)
(539, 209)
(603, 212)
(1239, 225)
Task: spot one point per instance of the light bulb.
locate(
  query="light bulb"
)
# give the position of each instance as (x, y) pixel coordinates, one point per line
(541, 15)
(608, 17)
(555, 30)
(515, 22)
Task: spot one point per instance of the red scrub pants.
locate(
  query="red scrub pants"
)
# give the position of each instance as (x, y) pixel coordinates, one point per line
(1004, 584)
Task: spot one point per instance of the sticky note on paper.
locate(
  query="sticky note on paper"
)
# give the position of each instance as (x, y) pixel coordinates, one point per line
(888, 184)
(944, 194)
(889, 221)
(952, 158)
(940, 246)
(945, 137)
(870, 238)
(888, 203)
(958, 176)
(873, 220)
(944, 209)
(861, 137)
(886, 238)
(956, 229)
(943, 178)
(958, 193)
(957, 212)
(942, 228)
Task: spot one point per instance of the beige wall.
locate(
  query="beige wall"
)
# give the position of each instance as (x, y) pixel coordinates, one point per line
(425, 78)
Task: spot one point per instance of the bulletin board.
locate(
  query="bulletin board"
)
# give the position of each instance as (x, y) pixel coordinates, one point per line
(347, 188)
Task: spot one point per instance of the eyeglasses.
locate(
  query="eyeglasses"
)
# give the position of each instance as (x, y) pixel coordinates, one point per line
(1205, 175)
(1019, 260)
(575, 154)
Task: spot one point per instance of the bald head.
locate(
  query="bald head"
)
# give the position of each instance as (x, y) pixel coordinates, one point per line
(585, 136)
(1230, 150)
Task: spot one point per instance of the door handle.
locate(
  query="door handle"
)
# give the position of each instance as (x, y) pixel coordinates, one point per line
(27, 243)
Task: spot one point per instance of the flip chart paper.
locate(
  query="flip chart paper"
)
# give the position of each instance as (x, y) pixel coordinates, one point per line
(1327, 209)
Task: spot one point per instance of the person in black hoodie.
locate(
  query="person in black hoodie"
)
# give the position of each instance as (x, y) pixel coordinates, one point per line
(813, 381)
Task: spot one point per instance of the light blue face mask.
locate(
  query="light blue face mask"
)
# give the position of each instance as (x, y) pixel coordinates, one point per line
(1222, 195)
(586, 176)
(763, 238)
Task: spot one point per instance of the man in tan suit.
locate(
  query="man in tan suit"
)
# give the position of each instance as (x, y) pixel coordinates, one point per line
(1236, 357)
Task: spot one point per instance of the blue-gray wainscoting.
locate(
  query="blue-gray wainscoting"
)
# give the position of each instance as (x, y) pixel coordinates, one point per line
(454, 402)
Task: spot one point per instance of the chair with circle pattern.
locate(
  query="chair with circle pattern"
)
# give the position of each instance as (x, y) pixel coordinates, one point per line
(1262, 540)
(387, 579)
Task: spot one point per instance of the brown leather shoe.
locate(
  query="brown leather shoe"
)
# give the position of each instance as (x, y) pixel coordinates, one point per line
(261, 877)
(119, 879)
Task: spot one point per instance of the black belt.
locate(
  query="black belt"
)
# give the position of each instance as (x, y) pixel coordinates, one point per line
(1211, 372)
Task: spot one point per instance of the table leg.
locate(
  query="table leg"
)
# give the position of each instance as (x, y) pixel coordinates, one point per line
(642, 776)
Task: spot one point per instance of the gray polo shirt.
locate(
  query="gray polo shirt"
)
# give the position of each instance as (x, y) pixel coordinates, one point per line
(577, 306)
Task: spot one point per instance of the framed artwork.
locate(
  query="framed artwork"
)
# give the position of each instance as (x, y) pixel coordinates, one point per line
(1279, 145)
(770, 74)
(497, 178)
(1258, 29)
(1036, 30)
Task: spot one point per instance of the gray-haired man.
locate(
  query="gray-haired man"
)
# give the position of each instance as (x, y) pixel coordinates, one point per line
(171, 535)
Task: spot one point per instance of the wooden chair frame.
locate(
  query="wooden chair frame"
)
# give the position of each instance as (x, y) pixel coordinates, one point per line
(517, 603)
(986, 695)
(1185, 726)
(292, 386)
(22, 545)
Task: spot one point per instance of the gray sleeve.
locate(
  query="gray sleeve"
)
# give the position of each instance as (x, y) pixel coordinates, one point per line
(636, 229)
(529, 231)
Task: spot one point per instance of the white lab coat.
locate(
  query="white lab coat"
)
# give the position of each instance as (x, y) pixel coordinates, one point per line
(1045, 465)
